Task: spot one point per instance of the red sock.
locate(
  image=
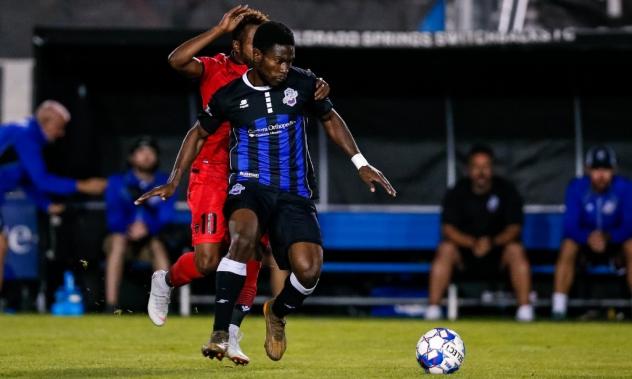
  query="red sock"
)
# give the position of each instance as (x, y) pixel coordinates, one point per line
(184, 271)
(249, 290)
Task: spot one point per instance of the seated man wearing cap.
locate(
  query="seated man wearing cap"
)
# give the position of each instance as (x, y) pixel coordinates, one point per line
(597, 223)
(134, 229)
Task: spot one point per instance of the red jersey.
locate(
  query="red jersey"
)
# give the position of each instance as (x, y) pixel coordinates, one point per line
(218, 71)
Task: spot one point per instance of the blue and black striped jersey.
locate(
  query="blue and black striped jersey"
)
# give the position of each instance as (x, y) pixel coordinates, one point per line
(268, 140)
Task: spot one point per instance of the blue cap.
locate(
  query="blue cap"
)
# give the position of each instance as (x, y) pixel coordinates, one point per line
(601, 157)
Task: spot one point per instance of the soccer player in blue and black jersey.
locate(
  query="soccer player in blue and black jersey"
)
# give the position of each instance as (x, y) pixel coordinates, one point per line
(272, 183)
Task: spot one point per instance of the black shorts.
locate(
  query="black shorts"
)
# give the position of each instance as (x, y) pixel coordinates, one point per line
(286, 217)
(613, 254)
(481, 266)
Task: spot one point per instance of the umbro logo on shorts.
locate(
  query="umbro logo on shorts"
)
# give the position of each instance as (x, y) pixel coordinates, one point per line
(237, 189)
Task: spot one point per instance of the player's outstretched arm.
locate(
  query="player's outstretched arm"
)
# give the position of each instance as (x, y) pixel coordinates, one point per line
(339, 133)
(182, 59)
(188, 151)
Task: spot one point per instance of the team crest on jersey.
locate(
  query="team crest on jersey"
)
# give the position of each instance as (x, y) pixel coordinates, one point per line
(237, 189)
(243, 104)
(493, 203)
(609, 207)
(290, 96)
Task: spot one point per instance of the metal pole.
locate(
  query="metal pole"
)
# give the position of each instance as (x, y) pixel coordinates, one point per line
(579, 138)
(465, 15)
(521, 14)
(506, 11)
(450, 147)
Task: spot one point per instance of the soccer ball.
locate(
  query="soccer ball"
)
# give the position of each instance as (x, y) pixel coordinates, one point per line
(440, 351)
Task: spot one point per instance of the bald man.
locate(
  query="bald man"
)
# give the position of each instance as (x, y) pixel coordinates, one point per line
(22, 164)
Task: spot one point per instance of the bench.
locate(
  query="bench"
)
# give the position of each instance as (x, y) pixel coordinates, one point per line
(415, 228)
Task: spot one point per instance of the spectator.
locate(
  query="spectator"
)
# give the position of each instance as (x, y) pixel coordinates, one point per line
(597, 223)
(481, 227)
(134, 229)
(22, 164)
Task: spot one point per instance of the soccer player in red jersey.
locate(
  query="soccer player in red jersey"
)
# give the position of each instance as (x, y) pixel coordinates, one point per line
(208, 180)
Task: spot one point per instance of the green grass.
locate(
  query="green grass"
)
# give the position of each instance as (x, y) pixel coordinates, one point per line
(129, 346)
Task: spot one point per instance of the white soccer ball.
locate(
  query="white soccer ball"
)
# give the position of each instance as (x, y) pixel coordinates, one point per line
(440, 351)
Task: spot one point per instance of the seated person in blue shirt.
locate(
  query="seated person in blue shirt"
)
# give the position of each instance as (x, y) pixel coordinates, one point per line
(22, 165)
(597, 223)
(134, 229)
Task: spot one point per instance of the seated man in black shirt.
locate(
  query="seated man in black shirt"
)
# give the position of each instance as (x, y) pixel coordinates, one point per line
(481, 227)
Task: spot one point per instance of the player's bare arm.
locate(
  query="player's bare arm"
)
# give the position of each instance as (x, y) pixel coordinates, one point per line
(186, 155)
(183, 59)
(338, 131)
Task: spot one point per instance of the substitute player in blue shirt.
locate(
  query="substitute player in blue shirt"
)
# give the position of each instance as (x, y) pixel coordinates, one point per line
(22, 164)
(133, 229)
(597, 223)
(272, 182)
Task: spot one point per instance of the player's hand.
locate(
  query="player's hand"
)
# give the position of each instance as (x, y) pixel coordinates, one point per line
(597, 241)
(482, 247)
(56, 209)
(92, 186)
(371, 175)
(322, 89)
(232, 18)
(137, 231)
(165, 191)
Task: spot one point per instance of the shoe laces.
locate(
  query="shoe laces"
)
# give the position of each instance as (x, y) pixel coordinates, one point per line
(163, 299)
(279, 328)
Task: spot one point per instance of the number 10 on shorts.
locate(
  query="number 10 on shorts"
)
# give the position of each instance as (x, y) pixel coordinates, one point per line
(209, 223)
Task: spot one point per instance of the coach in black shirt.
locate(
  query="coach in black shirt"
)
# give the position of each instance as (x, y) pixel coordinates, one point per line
(481, 226)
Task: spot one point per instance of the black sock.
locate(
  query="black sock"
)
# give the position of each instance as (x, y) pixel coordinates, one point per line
(228, 286)
(291, 298)
(239, 313)
(168, 279)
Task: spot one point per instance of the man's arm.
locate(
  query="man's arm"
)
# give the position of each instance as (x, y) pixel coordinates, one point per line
(509, 234)
(623, 232)
(187, 153)
(114, 207)
(339, 133)
(453, 234)
(183, 59)
(31, 158)
(513, 215)
(572, 225)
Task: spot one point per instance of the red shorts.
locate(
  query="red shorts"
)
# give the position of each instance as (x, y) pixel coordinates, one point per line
(206, 197)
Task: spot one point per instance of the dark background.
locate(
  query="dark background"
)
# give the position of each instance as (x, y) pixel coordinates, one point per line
(519, 99)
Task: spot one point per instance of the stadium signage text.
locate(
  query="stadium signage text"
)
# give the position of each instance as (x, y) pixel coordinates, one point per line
(388, 39)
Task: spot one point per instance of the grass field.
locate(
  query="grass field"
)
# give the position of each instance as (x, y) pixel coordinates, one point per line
(129, 346)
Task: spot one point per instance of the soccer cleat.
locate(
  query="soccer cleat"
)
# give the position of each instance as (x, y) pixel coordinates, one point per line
(525, 313)
(217, 346)
(234, 352)
(159, 298)
(275, 333)
(433, 313)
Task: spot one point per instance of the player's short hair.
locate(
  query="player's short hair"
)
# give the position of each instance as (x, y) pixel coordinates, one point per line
(272, 33)
(480, 148)
(250, 17)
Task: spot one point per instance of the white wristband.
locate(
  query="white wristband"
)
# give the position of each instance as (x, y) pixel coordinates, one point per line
(359, 161)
